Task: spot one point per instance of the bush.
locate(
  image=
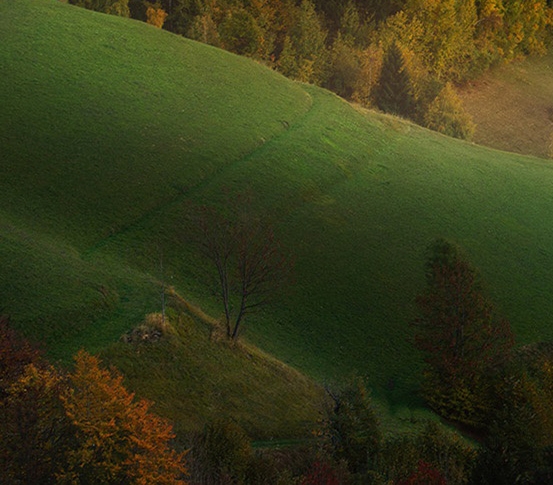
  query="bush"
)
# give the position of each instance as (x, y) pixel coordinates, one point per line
(434, 453)
(447, 115)
(220, 454)
(352, 428)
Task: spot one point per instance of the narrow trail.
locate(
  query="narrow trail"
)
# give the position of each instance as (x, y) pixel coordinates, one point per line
(180, 197)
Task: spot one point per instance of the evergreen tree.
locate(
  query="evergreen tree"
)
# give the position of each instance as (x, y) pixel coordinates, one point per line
(304, 55)
(394, 93)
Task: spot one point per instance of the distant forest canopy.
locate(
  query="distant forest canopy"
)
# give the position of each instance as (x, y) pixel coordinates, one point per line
(345, 46)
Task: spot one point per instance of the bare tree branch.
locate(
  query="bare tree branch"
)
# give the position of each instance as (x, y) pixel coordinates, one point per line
(250, 264)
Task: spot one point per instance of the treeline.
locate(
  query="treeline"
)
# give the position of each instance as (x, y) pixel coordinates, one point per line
(82, 426)
(359, 48)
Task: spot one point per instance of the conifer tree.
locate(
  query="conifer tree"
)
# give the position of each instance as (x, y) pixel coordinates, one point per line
(305, 55)
(394, 93)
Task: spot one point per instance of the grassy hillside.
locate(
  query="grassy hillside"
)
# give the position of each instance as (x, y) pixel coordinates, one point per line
(111, 129)
(513, 107)
(196, 377)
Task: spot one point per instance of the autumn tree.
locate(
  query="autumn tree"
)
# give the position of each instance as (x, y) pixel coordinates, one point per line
(250, 264)
(433, 453)
(112, 7)
(304, 55)
(460, 335)
(321, 474)
(519, 440)
(447, 115)
(525, 27)
(155, 15)
(425, 474)
(181, 14)
(345, 69)
(82, 428)
(119, 440)
(34, 431)
(15, 354)
(488, 32)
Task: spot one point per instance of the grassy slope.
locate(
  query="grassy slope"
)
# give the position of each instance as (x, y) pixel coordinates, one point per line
(111, 128)
(195, 378)
(513, 107)
(97, 132)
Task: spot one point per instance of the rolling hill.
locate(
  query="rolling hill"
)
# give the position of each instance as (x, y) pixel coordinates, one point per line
(112, 129)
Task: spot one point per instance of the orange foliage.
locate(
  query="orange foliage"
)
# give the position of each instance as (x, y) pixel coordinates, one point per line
(119, 438)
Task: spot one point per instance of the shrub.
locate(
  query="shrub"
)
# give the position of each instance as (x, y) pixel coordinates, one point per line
(447, 115)
(352, 428)
(220, 454)
(434, 453)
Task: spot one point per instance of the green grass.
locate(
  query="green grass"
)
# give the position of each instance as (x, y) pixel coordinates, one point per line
(111, 129)
(195, 378)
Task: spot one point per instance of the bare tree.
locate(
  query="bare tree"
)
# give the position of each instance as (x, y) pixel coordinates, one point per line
(250, 264)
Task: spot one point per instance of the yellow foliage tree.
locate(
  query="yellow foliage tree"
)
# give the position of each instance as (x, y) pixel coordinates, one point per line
(447, 115)
(155, 15)
(118, 438)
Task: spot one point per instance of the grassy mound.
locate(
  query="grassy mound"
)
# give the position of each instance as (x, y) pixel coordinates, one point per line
(112, 129)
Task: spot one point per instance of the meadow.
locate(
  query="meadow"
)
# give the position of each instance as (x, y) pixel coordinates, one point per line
(112, 130)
